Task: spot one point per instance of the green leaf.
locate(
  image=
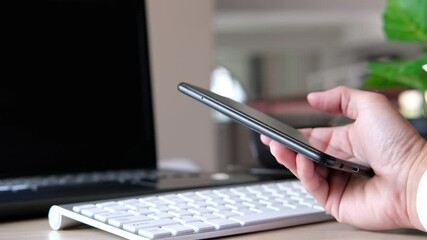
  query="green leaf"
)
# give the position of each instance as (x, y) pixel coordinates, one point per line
(400, 73)
(406, 20)
(377, 81)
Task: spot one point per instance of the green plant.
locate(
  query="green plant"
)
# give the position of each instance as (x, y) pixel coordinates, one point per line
(403, 20)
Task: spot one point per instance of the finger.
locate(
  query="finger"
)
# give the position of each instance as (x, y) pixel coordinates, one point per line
(338, 181)
(312, 180)
(339, 100)
(264, 139)
(283, 155)
(322, 170)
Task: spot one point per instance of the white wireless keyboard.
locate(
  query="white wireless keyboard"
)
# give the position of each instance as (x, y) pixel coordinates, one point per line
(196, 214)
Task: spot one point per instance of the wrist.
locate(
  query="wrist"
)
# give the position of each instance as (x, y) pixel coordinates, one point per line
(417, 191)
(422, 201)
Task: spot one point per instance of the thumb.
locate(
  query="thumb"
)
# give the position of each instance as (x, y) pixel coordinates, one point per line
(341, 100)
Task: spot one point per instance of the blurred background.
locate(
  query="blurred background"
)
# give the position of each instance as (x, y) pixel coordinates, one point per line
(280, 48)
(268, 54)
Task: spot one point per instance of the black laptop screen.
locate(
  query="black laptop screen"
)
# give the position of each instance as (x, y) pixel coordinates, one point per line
(75, 90)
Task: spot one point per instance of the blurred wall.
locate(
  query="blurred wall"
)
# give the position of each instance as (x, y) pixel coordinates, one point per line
(181, 42)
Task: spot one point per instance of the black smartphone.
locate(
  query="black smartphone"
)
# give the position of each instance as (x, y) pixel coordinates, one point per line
(277, 130)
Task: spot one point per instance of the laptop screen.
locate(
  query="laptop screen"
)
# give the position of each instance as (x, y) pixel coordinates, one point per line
(75, 91)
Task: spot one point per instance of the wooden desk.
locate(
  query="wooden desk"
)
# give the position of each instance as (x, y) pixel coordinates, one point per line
(39, 229)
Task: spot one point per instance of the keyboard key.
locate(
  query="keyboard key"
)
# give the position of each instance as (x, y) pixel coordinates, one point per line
(80, 207)
(154, 232)
(116, 208)
(178, 229)
(104, 217)
(200, 226)
(174, 200)
(200, 210)
(133, 227)
(206, 216)
(129, 201)
(137, 205)
(92, 211)
(161, 209)
(225, 214)
(244, 211)
(179, 213)
(221, 223)
(160, 215)
(107, 204)
(186, 219)
(118, 222)
(141, 211)
(269, 215)
(181, 206)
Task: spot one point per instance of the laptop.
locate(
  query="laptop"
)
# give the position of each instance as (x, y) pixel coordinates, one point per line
(76, 120)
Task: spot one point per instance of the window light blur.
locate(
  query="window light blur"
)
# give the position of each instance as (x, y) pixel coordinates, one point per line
(223, 83)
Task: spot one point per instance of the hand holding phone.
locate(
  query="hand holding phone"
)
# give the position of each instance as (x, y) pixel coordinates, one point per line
(277, 130)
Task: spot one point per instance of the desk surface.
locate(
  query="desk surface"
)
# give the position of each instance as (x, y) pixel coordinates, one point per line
(39, 229)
